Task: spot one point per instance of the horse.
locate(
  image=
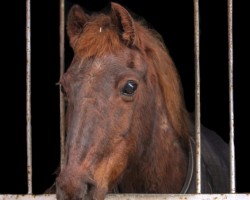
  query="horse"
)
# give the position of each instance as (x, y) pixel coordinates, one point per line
(127, 127)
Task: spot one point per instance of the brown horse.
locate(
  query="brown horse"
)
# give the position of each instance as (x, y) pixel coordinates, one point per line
(128, 130)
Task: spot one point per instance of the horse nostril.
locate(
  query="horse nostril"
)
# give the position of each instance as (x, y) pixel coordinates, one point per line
(89, 186)
(68, 189)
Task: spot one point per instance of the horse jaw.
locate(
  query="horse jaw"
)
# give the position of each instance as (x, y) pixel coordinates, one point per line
(164, 164)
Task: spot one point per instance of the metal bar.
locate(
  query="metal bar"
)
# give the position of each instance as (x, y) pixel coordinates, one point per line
(231, 99)
(197, 95)
(28, 97)
(140, 197)
(62, 68)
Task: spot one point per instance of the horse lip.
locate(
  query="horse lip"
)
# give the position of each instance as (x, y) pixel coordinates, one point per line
(85, 193)
(89, 193)
(98, 193)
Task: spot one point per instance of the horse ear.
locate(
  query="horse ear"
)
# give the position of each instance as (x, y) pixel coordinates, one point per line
(124, 21)
(75, 22)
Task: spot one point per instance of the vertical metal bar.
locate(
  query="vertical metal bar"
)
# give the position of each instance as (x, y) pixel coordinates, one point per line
(197, 94)
(231, 100)
(62, 68)
(28, 97)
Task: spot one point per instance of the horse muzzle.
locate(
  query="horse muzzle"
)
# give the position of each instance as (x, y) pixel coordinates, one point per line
(74, 190)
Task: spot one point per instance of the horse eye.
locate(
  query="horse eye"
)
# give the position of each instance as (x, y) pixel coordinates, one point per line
(130, 88)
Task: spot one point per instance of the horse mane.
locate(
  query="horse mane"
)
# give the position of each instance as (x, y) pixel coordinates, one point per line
(152, 43)
(100, 36)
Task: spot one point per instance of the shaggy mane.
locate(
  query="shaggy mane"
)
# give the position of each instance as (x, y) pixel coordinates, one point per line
(152, 43)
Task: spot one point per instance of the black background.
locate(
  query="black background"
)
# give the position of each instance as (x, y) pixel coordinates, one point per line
(174, 21)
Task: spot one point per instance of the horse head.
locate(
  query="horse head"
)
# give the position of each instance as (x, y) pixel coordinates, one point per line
(124, 109)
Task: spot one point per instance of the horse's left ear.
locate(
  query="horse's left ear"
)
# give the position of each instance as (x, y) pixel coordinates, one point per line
(124, 21)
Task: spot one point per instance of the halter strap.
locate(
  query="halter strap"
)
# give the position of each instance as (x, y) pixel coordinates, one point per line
(189, 173)
(190, 170)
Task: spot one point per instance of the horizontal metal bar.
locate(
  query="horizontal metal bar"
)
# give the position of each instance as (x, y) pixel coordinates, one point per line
(242, 196)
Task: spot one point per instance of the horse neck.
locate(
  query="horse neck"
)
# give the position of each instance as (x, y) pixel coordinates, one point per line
(162, 167)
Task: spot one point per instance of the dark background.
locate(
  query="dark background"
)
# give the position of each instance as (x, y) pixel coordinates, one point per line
(174, 21)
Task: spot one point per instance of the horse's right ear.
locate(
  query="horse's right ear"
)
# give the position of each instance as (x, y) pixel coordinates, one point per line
(123, 20)
(75, 22)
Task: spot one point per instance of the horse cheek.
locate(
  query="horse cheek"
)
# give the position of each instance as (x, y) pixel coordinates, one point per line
(110, 169)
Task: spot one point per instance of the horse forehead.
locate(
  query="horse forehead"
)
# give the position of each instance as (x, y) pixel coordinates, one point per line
(112, 64)
(116, 64)
(79, 68)
(88, 71)
(95, 68)
(101, 64)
